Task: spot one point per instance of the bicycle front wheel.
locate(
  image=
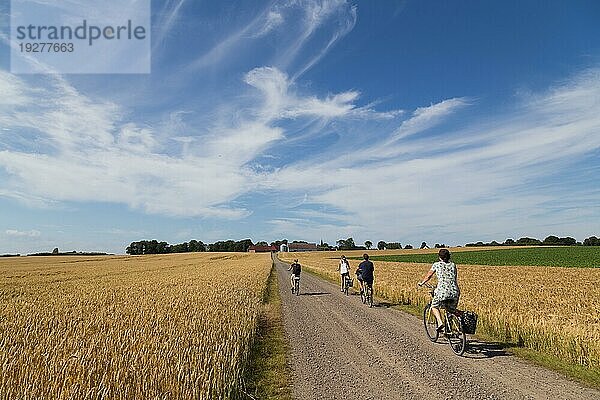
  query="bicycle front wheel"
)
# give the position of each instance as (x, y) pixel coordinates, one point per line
(456, 337)
(430, 324)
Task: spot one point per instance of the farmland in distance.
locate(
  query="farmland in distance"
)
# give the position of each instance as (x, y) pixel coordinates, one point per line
(565, 256)
(147, 327)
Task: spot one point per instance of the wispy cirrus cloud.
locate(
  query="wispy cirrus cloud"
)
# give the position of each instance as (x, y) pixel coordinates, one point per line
(302, 19)
(17, 233)
(169, 16)
(479, 173)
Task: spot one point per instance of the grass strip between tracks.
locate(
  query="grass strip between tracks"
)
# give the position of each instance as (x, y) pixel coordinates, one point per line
(268, 373)
(587, 376)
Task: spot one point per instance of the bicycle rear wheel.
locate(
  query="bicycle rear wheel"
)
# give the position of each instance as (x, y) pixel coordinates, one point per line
(430, 324)
(370, 297)
(297, 287)
(456, 337)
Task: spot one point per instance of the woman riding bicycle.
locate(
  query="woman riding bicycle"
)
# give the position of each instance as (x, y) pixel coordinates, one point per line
(344, 269)
(447, 292)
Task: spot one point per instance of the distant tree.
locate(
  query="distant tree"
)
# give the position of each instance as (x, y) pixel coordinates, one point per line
(393, 246)
(509, 242)
(262, 243)
(424, 246)
(591, 241)
(368, 244)
(551, 240)
(527, 241)
(381, 245)
(242, 245)
(494, 243)
(135, 248)
(556, 241)
(55, 251)
(347, 244)
(196, 246)
(408, 247)
(221, 246)
(323, 246)
(277, 243)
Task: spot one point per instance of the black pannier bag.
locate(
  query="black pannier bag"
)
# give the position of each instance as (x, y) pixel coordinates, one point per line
(469, 321)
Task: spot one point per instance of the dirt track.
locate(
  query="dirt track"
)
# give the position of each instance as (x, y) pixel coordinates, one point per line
(341, 349)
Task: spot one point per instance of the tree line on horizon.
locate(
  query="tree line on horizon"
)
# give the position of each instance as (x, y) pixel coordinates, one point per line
(548, 241)
(156, 247)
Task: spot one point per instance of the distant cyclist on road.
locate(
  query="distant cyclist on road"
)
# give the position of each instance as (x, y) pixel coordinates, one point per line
(344, 269)
(296, 269)
(364, 273)
(447, 290)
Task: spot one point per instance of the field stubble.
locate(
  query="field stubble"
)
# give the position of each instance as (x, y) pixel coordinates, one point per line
(553, 310)
(152, 327)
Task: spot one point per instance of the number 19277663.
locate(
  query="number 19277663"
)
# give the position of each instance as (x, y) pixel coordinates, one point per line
(45, 47)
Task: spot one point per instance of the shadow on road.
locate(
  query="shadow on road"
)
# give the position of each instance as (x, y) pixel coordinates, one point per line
(315, 294)
(384, 304)
(476, 349)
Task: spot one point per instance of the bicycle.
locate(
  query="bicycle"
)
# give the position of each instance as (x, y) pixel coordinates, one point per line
(366, 294)
(453, 326)
(347, 285)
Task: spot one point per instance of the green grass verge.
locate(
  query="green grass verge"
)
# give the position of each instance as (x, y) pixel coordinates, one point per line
(587, 376)
(268, 373)
(566, 256)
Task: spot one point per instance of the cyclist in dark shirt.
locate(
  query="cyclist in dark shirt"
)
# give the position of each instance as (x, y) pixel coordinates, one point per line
(366, 270)
(296, 269)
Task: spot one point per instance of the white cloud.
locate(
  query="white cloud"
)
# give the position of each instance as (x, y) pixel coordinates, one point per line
(273, 20)
(16, 233)
(281, 102)
(14, 93)
(480, 178)
(424, 118)
(93, 155)
(169, 16)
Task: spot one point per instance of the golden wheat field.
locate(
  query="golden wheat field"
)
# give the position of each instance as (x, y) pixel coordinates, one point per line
(143, 327)
(550, 309)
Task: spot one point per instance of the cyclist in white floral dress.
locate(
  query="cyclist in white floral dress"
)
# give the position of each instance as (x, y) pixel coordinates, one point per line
(447, 291)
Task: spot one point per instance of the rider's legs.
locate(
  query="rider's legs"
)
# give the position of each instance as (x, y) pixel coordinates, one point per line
(343, 278)
(449, 304)
(438, 316)
(292, 281)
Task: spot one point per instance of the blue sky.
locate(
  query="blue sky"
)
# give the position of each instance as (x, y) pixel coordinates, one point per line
(405, 121)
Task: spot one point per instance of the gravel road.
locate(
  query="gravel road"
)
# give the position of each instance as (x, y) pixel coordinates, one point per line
(341, 349)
